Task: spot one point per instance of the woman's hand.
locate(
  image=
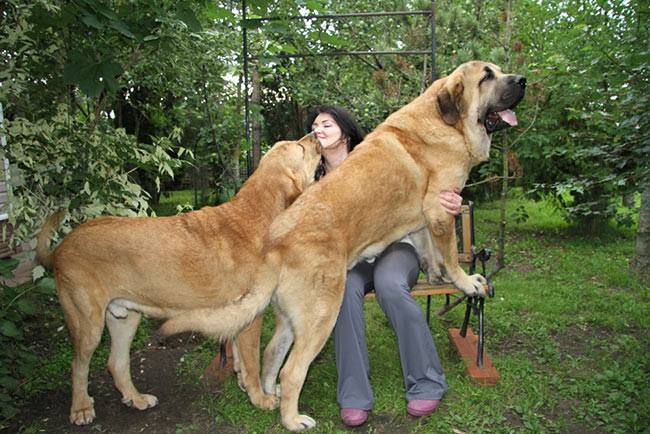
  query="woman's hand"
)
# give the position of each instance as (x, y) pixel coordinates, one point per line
(451, 202)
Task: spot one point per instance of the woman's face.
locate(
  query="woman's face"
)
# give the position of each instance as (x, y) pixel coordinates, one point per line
(327, 131)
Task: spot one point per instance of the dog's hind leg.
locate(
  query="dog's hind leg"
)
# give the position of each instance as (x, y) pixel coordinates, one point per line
(122, 324)
(312, 321)
(310, 337)
(247, 351)
(85, 322)
(275, 352)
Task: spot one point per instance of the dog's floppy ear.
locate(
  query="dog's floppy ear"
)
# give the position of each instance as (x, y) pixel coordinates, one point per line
(296, 179)
(449, 100)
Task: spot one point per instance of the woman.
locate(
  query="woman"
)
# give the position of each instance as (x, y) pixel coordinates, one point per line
(392, 274)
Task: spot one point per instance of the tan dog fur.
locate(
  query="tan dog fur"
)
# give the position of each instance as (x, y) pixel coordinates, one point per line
(386, 188)
(113, 269)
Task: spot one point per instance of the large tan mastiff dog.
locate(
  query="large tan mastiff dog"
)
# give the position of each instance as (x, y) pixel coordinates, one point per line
(386, 188)
(112, 269)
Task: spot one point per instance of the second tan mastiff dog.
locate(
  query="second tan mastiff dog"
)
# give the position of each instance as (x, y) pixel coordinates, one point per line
(113, 269)
(387, 187)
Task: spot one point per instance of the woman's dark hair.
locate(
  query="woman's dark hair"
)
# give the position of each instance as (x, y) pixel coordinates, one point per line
(349, 127)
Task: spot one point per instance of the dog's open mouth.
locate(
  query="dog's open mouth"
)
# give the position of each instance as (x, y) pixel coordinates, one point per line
(495, 121)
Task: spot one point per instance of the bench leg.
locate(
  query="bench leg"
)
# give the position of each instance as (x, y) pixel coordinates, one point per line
(468, 311)
(479, 354)
(479, 304)
(428, 309)
(222, 365)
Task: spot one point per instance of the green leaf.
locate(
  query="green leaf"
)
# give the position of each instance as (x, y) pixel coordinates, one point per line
(277, 27)
(46, 285)
(314, 5)
(38, 272)
(259, 7)
(91, 76)
(216, 12)
(26, 306)
(8, 382)
(92, 21)
(121, 27)
(9, 329)
(7, 267)
(100, 8)
(332, 40)
(187, 16)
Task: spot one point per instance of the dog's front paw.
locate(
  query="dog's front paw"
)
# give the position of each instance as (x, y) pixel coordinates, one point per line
(240, 381)
(141, 401)
(82, 416)
(436, 277)
(264, 401)
(299, 423)
(472, 286)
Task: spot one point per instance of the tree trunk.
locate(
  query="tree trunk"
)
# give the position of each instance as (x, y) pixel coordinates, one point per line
(236, 152)
(642, 259)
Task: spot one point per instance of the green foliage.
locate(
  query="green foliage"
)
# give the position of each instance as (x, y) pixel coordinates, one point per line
(151, 68)
(589, 83)
(70, 141)
(583, 135)
(58, 164)
(20, 317)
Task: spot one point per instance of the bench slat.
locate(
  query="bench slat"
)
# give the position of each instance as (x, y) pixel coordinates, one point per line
(424, 288)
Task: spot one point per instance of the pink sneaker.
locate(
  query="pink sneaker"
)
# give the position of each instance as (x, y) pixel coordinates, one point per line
(422, 407)
(354, 416)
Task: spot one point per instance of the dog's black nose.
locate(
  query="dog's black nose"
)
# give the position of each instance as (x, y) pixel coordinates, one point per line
(520, 80)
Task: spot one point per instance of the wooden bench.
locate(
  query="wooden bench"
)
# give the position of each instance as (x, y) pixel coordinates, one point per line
(469, 346)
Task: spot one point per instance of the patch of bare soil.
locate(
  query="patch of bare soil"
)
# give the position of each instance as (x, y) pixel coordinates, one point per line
(573, 341)
(154, 371)
(514, 343)
(563, 410)
(385, 424)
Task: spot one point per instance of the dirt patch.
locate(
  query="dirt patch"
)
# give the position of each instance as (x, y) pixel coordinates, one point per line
(514, 420)
(514, 343)
(564, 411)
(154, 371)
(580, 341)
(386, 424)
(573, 341)
(523, 267)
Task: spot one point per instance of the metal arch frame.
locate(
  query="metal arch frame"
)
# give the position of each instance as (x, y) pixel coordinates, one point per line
(246, 57)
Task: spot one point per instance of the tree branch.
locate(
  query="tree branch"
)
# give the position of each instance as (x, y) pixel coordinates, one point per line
(491, 179)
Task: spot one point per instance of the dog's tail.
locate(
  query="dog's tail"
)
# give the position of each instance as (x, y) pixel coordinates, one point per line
(43, 252)
(229, 320)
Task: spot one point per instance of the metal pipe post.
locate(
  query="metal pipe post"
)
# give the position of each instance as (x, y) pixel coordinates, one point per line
(434, 75)
(249, 163)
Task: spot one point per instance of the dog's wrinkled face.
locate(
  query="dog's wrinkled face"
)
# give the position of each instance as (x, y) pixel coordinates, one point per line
(299, 158)
(479, 93)
(311, 155)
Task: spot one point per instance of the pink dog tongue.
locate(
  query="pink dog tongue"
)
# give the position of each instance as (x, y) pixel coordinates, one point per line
(508, 116)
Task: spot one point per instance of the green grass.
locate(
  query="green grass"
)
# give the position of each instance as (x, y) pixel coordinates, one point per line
(170, 202)
(567, 330)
